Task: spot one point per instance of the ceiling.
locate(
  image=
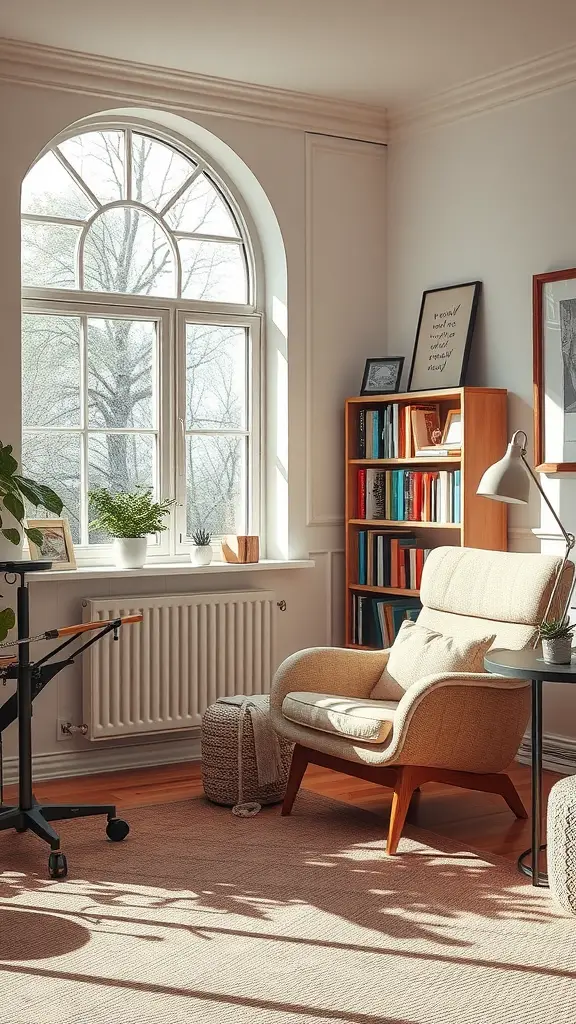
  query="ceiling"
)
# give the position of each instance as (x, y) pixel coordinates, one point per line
(390, 53)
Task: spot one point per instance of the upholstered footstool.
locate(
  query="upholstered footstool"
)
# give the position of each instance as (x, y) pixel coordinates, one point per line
(244, 763)
(562, 843)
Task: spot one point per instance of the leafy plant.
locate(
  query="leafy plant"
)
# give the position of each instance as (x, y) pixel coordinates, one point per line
(201, 538)
(14, 491)
(555, 629)
(128, 514)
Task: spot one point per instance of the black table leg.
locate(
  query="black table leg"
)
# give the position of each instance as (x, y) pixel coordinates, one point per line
(533, 869)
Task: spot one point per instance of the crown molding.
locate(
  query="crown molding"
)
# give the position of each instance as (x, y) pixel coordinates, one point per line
(520, 82)
(131, 83)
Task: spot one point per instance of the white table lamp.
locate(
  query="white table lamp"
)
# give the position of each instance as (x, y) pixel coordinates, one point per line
(509, 480)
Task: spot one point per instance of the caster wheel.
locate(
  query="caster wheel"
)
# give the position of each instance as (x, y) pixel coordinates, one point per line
(117, 829)
(57, 865)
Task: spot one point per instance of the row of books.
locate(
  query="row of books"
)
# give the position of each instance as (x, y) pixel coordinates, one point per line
(388, 559)
(413, 495)
(376, 620)
(404, 432)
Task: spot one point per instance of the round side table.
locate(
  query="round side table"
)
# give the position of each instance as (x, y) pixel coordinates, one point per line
(529, 664)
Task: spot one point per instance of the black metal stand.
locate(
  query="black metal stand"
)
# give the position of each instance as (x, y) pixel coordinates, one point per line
(29, 814)
(532, 870)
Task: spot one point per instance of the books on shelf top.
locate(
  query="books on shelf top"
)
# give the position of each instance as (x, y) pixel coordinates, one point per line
(414, 430)
(436, 451)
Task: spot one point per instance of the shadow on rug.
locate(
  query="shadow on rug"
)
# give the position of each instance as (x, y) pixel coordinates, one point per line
(200, 916)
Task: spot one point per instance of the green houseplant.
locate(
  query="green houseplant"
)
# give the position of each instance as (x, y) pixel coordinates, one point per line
(201, 550)
(14, 491)
(129, 518)
(556, 637)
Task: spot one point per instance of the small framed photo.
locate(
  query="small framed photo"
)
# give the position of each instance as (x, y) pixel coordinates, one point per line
(57, 546)
(452, 434)
(382, 376)
(443, 337)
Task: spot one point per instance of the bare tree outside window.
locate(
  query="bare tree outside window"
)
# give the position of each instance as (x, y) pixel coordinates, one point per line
(108, 217)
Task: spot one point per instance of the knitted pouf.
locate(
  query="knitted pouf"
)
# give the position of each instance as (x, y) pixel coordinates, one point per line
(232, 772)
(562, 843)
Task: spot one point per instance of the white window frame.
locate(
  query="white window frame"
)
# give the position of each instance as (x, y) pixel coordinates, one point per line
(172, 314)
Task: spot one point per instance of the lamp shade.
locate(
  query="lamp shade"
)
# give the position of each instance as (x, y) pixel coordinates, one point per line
(507, 479)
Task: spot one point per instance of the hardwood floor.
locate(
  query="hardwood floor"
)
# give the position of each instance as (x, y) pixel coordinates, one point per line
(478, 820)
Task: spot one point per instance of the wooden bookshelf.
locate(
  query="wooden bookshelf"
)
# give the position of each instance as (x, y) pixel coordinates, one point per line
(483, 523)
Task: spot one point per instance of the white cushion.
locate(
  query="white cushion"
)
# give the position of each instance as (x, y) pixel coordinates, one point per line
(367, 720)
(418, 652)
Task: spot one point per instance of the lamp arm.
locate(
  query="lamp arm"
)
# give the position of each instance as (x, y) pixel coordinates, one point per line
(569, 539)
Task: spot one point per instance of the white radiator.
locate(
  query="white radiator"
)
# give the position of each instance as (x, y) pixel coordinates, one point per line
(164, 672)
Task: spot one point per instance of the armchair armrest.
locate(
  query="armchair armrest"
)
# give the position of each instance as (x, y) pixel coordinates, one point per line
(335, 670)
(461, 720)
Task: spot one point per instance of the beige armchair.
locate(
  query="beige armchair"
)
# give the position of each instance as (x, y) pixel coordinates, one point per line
(462, 729)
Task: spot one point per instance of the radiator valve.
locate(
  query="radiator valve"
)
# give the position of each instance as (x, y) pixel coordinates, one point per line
(68, 729)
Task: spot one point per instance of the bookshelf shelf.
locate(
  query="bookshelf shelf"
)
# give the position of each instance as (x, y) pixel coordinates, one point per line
(403, 524)
(399, 591)
(428, 460)
(389, 550)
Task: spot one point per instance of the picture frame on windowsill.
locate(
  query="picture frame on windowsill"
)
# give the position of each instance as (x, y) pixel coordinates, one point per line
(57, 545)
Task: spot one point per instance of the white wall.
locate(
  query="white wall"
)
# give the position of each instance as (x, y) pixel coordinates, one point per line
(328, 197)
(490, 198)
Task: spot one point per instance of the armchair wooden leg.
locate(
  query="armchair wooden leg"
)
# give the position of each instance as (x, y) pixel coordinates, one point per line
(407, 781)
(297, 768)
(508, 790)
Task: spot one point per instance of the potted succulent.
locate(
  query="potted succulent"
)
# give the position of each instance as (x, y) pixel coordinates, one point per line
(128, 518)
(201, 551)
(14, 491)
(556, 637)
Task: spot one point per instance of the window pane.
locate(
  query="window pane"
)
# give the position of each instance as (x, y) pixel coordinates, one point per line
(127, 251)
(54, 459)
(121, 372)
(157, 171)
(215, 484)
(49, 255)
(201, 208)
(121, 462)
(215, 377)
(48, 189)
(215, 271)
(98, 157)
(50, 370)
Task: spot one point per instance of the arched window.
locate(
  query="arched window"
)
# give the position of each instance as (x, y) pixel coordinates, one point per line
(140, 332)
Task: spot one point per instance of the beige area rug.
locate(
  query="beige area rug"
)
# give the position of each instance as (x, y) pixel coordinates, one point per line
(204, 917)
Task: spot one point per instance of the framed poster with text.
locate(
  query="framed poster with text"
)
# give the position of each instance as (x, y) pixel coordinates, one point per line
(443, 337)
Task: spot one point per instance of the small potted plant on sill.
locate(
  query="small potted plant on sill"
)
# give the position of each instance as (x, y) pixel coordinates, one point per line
(129, 518)
(201, 550)
(556, 637)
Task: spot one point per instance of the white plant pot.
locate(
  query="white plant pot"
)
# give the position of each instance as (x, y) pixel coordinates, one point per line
(130, 552)
(201, 555)
(557, 651)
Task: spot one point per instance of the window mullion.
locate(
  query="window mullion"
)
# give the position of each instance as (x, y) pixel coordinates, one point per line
(84, 483)
(128, 162)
